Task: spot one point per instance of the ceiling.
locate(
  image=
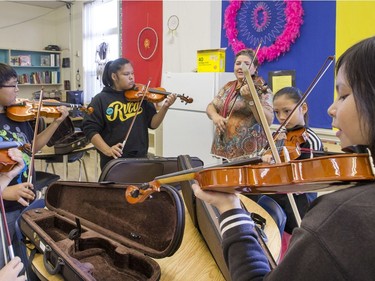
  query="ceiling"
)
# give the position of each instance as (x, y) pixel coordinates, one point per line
(51, 4)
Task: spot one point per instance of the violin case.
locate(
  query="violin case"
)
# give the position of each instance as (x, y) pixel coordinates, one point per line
(66, 138)
(90, 232)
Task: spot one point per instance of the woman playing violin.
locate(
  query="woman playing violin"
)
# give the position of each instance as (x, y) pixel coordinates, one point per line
(238, 131)
(21, 132)
(107, 126)
(335, 240)
(284, 102)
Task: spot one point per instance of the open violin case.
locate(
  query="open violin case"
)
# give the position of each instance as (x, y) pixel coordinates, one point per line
(90, 231)
(66, 138)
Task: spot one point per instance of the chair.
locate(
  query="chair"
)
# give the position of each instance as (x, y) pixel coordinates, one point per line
(275, 211)
(39, 203)
(73, 157)
(43, 180)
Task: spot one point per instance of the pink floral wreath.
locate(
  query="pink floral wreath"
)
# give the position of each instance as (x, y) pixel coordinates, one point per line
(293, 13)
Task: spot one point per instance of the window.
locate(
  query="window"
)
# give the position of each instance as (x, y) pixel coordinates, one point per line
(100, 42)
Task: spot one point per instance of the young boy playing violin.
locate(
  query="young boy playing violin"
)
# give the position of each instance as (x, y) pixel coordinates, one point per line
(112, 118)
(21, 132)
(336, 237)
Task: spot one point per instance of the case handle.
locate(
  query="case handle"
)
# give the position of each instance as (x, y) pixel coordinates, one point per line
(48, 265)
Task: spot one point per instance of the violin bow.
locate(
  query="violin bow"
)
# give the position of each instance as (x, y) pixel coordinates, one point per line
(145, 89)
(33, 148)
(327, 63)
(268, 133)
(5, 231)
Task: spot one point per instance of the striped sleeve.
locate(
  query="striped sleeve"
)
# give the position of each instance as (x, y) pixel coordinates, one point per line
(243, 254)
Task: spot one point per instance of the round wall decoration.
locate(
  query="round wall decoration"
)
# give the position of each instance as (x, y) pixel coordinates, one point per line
(276, 24)
(173, 22)
(147, 43)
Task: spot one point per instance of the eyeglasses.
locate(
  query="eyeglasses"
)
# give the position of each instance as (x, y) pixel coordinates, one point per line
(10, 86)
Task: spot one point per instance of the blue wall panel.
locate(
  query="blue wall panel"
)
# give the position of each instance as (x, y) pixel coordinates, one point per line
(306, 56)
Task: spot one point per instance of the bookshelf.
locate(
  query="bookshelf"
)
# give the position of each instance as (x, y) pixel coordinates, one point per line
(34, 68)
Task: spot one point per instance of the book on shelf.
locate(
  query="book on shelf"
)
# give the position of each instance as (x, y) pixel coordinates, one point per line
(14, 60)
(45, 60)
(25, 60)
(53, 63)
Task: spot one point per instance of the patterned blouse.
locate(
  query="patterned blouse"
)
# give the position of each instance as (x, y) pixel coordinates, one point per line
(244, 136)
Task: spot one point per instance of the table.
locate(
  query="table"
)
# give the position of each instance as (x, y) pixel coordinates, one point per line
(47, 152)
(193, 260)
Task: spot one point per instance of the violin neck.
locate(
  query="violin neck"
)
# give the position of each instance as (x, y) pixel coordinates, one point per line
(176, 177)
(160, 92)
(71, 105)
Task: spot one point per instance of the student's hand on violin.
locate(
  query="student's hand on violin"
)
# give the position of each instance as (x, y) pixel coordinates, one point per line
(64, 113)
(11, 270)
(222, 201)
(267, 158)
(220, 122)
(170, 99)
(16, 155)
(115, 151)
(19, 191)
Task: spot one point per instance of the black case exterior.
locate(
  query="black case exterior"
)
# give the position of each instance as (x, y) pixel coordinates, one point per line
(142, 169)
(65, 139)
(116, 239)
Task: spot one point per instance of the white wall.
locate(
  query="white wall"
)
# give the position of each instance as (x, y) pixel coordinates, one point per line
(29, 27)
(199, 28)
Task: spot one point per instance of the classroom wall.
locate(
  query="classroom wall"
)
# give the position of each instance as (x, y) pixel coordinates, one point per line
(200, 27)
(33, 28)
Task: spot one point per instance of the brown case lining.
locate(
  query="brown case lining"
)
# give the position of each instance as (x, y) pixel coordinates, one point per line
(114, 232)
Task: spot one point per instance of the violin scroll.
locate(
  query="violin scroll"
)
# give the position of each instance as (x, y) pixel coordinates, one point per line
(135, 194)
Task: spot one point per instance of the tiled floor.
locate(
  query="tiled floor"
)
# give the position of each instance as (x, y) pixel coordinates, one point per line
(93, 169)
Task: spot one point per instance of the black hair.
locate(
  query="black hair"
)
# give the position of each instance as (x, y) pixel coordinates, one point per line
(249, 53)
(6, 73)
(112, 67)
(294, 94)
(358, 63)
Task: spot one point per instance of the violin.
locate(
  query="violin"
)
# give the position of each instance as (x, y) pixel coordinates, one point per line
(291, 140)
(154, 95)
(7, 163)
(260, 84)
(326, 173)
(27, 110)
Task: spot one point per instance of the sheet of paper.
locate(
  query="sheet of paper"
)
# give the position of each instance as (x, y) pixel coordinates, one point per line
(279, 82)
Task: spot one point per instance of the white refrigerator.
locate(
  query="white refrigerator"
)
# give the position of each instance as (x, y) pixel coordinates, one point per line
(186, 127)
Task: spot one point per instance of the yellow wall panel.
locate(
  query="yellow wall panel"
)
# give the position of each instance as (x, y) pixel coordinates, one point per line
(354, 22)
